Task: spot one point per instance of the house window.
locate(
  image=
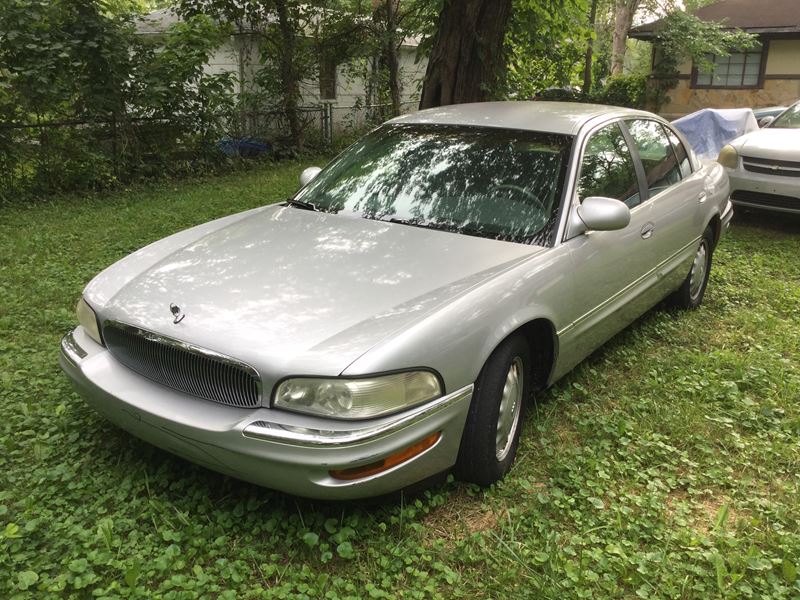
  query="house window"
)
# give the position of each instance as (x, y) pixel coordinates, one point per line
(737, 70)
(327, 79)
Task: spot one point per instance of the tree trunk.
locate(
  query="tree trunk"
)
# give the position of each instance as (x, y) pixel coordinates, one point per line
(391, 52)
(290, 84)
(587, 67)
(467, 57)
(623, 19)
(371, 92)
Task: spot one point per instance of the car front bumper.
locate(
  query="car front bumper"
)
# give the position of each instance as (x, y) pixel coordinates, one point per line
(277, 449)
(766, 192)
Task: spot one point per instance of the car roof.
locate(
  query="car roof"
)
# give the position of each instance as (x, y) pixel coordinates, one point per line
(554, 117)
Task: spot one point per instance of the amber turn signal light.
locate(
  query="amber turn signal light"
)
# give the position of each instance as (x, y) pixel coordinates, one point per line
(387, 463)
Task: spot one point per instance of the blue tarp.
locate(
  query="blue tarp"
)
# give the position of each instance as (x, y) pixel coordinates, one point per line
(708, 130)
(244, 147)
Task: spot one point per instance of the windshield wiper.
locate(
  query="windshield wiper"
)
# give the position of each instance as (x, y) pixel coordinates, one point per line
(300, 204)
(475, 231)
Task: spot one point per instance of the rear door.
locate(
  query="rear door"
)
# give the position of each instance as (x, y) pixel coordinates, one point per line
(674, 193)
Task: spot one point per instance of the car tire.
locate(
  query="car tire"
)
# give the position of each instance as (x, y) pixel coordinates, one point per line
(491, 433)
(690, 295)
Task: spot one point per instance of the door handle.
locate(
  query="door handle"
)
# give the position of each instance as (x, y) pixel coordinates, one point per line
(647, 231)
(701, 197)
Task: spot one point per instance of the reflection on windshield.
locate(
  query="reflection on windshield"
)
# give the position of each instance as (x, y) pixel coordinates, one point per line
(790, 119)
(493, 183)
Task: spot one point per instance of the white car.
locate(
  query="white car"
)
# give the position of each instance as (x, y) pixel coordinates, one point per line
(764, 165)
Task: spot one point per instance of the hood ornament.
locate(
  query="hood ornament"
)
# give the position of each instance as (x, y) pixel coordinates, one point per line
(177, 313)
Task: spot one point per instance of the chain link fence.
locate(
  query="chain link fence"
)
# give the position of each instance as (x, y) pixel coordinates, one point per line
(38, 159)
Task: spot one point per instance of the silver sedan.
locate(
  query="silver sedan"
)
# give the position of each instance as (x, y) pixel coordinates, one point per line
(389, 321)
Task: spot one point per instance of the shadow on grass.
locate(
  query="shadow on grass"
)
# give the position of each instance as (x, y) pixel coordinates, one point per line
(785, 223)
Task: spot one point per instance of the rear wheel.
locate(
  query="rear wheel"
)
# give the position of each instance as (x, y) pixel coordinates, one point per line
(690, 294)
(491, 434)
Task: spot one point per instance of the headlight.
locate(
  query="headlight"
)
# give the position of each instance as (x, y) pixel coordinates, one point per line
(357, 398)
(728, 157)
(88, 320)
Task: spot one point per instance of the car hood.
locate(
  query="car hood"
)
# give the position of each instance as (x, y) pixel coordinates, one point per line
(295, 291)
(781, 144)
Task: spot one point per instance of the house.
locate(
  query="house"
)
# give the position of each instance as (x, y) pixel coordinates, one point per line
(767, 75)
(339, 95)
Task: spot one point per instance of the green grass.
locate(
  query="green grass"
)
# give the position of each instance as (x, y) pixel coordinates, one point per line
(666, 465)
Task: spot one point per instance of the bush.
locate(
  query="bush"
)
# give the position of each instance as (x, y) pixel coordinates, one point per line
(561, 94)
(620, 90)
(623, 90)
(85, 102)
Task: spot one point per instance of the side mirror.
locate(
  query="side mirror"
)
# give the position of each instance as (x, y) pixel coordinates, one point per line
(603, 214)
(308, 174)
(765, 121)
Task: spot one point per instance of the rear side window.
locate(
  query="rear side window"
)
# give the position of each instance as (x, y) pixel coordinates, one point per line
(607, 168)
(655, 150)
(680, 152)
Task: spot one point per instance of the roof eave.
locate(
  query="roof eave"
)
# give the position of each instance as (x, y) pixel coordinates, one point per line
(653, 33)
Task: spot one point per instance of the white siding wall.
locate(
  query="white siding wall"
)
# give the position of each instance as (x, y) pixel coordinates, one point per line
(350, 88)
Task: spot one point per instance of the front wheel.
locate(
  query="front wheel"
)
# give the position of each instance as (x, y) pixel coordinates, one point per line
(690, 294)
(491, 434)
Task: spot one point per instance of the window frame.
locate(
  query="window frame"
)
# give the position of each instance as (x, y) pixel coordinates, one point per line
(638, 159)
(637, 163)
(328, 79)
(686, 149)
(757, 86)
(567, 228)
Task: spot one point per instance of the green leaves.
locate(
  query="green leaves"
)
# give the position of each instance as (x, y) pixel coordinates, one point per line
(345, 550)
(11, 531)
(722, 517)
(310, 539)
(597, 503)
(132, 573)
(27, 579)
(114, 105)
(789, 570)
(544, 45)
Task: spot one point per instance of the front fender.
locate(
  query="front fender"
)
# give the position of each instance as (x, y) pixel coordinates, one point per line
(457, 339)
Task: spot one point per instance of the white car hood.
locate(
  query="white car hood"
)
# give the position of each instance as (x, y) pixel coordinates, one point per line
(780, 144)
(294, 291)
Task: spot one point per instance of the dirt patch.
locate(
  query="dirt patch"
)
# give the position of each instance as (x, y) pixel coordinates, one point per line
(460, 518)
(703, 511)
(566, 435)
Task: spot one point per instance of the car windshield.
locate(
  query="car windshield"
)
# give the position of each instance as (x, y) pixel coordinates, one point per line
(790, 119)
(495, 183)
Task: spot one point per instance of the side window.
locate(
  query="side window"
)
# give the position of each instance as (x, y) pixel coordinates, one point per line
(607, 168)
(680, 151)
(655, 150)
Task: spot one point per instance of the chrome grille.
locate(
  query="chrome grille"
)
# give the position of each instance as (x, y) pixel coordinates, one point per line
(768, 166)
(183, 367)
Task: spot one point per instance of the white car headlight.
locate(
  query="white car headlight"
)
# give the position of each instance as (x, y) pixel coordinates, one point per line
(88, 320)
(728, 157)
(357, 398)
